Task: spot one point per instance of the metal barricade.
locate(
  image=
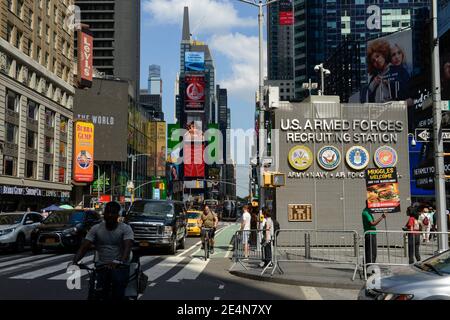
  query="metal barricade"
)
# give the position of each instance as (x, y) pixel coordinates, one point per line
(398, 248)
(251, 238)
(317, 246)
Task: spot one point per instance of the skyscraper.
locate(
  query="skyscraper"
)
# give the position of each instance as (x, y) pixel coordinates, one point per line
(321, 28)
(115, 26)
(280, 47)
(154, 80)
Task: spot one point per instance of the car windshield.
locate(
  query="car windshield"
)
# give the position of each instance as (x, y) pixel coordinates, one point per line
(6, 219)
(193, 215)
(440, 263)
(158, 209)
(65, 217)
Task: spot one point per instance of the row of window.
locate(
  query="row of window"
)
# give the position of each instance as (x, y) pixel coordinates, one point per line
(10, 169)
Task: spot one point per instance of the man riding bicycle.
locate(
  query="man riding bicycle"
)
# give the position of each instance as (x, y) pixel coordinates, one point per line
(113, 241)
(209, 220)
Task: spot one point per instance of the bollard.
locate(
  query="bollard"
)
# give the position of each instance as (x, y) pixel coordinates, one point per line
(405, 245)
(307, 246)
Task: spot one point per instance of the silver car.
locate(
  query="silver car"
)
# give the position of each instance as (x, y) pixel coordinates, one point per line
(426, 280)
(16, 228)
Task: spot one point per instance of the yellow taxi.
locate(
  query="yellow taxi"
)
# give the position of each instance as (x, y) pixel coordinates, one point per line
(193, 220)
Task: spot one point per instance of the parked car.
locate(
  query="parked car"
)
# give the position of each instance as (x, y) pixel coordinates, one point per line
(426, 280)
(193, 223)
(16, 228)
(158, 223)
(63, 230)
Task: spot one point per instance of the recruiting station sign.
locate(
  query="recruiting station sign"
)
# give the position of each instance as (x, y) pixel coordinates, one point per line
(382, 190)
(195, 93)
(83, 162)
(85, 58)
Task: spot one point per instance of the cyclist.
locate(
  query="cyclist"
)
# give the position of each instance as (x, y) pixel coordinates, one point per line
(113, 241)
(209, 220)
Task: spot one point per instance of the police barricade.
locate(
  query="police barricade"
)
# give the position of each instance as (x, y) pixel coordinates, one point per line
(317, 246)
(254, 254)
(397, 248)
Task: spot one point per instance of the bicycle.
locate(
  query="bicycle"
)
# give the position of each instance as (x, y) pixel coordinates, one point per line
(206, 241)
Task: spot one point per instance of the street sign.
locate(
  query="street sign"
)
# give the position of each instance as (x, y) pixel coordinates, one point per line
(423, 135)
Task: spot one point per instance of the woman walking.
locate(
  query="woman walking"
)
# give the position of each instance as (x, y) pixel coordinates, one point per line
(413, 226)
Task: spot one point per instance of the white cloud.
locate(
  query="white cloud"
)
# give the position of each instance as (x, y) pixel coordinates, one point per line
(206, 16)
(243, 53)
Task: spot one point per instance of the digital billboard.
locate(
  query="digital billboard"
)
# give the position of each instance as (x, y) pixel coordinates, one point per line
(83, 162)
(195, 93)
(194, 164)
(194, 61)
(286, 13)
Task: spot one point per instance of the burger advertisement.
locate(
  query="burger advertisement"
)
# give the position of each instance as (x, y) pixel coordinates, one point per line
(382, 190)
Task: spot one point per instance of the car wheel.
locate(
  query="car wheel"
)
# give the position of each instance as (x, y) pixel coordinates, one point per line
(183, 242)
(173, 247)
(35, 248)
(20, 243)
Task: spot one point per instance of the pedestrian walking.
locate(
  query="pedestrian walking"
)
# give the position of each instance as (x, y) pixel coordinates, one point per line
(245, 228)
(267, 239)
(370, 234)
(425, 220)
(254, 227)
(413, 227)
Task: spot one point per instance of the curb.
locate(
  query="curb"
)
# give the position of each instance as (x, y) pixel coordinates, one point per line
(299, 282)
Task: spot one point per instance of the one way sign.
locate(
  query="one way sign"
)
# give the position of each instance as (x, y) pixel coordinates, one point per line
(423, 135)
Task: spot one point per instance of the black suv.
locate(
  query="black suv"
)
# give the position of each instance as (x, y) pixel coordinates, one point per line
(63, 229)
(158, 223)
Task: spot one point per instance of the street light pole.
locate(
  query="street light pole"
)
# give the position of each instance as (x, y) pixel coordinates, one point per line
(437, 137)
(261, 138)
(98, 181)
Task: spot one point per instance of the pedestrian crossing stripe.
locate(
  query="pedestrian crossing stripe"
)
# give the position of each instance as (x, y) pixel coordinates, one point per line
(191, 271)
(30, 264)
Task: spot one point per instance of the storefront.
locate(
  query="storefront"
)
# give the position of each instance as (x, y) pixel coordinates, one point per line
(324, 149)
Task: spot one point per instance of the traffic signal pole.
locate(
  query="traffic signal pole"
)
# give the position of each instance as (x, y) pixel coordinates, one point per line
(439, 180)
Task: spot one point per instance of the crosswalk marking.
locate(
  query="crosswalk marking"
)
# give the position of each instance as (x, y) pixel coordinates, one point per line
(28, 265)
(311, 293)
(11, 256)
(162, 268)
(191, 271)
(15, 261)
(49, 270)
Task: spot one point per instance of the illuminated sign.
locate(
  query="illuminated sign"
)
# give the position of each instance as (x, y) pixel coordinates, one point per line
(83, 162)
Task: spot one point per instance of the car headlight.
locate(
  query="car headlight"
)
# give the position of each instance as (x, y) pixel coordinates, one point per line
(6, 231)
(395, 296)
(168, 231)
(69, 232)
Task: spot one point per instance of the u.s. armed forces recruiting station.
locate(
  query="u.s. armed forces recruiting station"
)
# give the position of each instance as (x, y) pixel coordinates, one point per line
(342, 131)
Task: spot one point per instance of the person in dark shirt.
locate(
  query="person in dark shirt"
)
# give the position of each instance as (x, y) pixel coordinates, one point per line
(370, 234)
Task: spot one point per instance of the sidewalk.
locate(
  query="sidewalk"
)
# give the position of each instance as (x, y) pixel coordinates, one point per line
(303, 274)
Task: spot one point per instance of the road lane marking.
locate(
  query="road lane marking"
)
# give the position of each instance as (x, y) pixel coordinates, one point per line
(191, 271)
(152, 284)
(15, 256)
(49, 270)
(221, 287)
(15, 261)
(162, 268)
(28, 265)
(311, 293)
(216, 298)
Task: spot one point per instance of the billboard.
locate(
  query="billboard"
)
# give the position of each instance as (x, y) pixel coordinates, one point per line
(106, 107)
(382, 190)
(194, 61)
(195, 93)
(194, 164)
(161, 149)
(85, 58)
(83, 162)
(286, 13)
(173, 141)
(389, 68)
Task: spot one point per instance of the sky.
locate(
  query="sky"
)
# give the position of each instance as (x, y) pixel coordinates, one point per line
(230, 28)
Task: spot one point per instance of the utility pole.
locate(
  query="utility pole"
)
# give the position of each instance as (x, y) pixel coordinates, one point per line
(439, 179)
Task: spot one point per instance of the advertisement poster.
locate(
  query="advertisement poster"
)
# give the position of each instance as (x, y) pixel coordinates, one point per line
(195, 93)
(194, 61)
(382, 190)
(83, 168)
(161, 149)
(194, 165)
(85, 58)
(286, 13)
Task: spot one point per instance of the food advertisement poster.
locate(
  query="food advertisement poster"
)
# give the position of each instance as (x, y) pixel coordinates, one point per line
(383, 190)
(83, 168)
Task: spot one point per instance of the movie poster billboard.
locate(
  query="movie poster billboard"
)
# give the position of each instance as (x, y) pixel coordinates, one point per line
(83, 168)
(382, 190)
(195, 93)
(194, 61)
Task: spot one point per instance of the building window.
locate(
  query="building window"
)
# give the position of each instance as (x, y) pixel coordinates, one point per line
(48, 172)
(19, 9)
(11, 133)
(55, 40)
(48, 145)
(62, 150)
(9, 32)
(47, 33)
(49, 118)
(31, 139)
(12, 101)
(30, 169)
(63, 123)
(9, 4)
(9, 166)
(19, 36)
(62, 175)
(30, 18)
(47, 60)
(32, 110)
(39, 54)
(55, 14)
(48, 7)
(40, 27)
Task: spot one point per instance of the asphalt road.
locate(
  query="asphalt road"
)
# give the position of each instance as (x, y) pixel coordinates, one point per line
(185, 276)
